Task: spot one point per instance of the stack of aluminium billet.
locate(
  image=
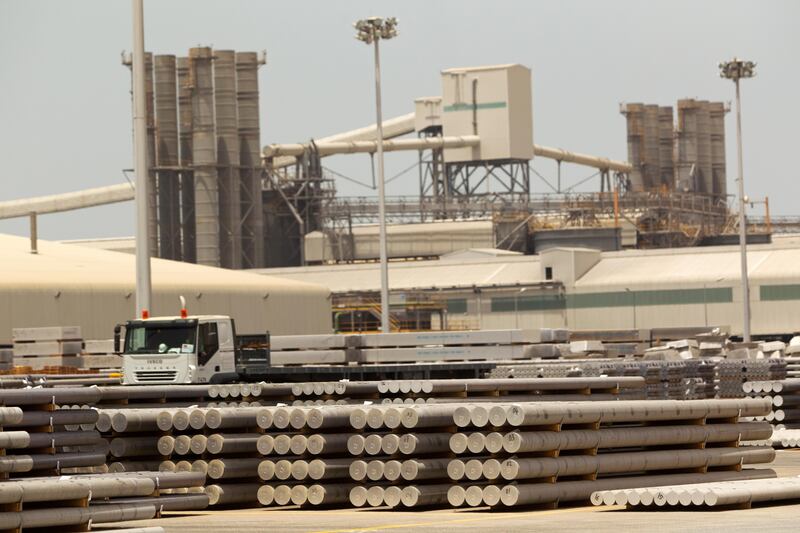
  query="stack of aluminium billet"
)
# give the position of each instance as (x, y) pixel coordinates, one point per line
(6, 357)
(433, 346)
(99, 354)
(785, 397)
(401, 454)
(250, 394)
(780, 438)
(740, 493)
(304, 457)
(792, 362)
(732, 373)
(687, 379)
(49, 432)
(60, 504)
(220, 444)
(476, 390)
(546, 453)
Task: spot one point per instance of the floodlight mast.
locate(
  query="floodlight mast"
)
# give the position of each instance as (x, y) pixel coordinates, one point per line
(371, 31)
(735, 70)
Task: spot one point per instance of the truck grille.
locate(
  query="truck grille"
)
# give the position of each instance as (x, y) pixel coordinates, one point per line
(153, 376)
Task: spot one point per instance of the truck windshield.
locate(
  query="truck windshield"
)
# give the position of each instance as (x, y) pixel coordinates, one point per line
(160, 339)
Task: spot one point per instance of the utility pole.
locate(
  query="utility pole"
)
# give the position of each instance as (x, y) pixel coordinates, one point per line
(143, 290)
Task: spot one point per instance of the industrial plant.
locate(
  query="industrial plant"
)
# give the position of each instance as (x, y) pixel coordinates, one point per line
(499, 349)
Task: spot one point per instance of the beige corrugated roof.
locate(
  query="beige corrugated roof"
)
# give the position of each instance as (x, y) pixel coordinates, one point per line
(504, 270)
(58, 264)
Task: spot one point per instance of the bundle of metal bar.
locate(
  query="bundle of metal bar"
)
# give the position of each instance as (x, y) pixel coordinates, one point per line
(723, 493)
(523, 442)
(82, 499)
(785, 412)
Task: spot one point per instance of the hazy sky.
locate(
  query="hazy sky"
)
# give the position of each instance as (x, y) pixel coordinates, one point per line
(65, 119)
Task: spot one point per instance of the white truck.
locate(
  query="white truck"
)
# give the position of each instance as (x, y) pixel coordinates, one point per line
(189, 349)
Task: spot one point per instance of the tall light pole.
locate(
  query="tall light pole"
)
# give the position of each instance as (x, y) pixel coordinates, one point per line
(140, 163)
(735, 70)
(371, 31)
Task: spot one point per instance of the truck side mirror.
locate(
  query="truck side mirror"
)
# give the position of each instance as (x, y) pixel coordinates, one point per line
(117, 347)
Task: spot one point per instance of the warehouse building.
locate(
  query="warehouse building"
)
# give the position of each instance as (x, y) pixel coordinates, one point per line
(81, 286)
(576, 288)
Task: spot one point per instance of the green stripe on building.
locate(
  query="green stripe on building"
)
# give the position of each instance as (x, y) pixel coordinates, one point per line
(777, 293)
(469, 107)
(457, 305)
(600, 300)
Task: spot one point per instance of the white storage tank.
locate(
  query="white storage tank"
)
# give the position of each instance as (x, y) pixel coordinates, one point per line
(493, 102)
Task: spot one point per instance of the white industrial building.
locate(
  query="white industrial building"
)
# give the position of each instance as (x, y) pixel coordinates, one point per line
(581, 288)
(72, 285)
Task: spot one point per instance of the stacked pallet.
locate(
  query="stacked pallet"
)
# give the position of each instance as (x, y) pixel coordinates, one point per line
(61, 349)
(551, 453)
(49, 347)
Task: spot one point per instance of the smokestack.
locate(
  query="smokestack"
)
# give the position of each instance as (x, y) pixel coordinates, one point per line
(204, 158)
(247, 64)
(230, 203)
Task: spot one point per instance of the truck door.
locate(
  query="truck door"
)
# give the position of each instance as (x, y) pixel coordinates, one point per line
(208, 340)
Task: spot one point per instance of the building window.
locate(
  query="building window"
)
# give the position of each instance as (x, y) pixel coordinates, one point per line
(548, 273)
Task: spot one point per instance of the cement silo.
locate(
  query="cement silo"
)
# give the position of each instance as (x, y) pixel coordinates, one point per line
(247, 64)
(169, 231)
(717, 112)
(634, 116)
(206, 187)
(666, 148)
(230, 203)
(187, 174)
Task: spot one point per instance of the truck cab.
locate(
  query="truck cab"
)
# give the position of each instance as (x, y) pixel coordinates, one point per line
(170, 350)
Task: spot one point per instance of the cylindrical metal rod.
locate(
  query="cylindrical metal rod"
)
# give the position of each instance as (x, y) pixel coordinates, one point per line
(233, 468)
(422, 495)
(140, 163)
(222, 494)
(529, 494)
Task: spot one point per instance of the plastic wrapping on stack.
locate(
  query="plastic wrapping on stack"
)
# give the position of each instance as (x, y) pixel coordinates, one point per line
(78, 501)
(513, 452)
